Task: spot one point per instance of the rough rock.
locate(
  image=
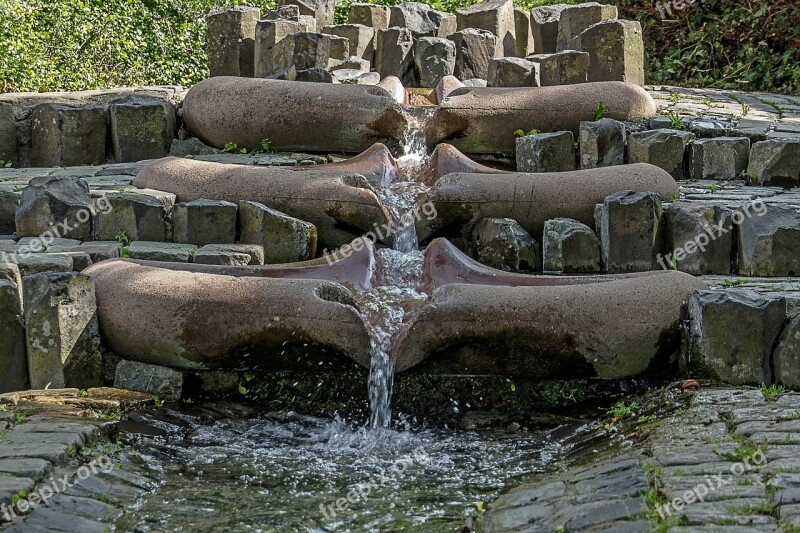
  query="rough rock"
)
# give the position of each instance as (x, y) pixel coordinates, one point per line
(629, 226)
(317, 117)
(501, 243)
(231, 40)
(204, 222)
(616, 50)
(496, 16)
(562, 68)
(66, 135)
(732, 333)
(463, 198)
(768, 239)
(9, 152)
(774, 162)
(602, 143)
(573, 20)
(140, 215)
(374, 16)
(285, 239)
(546, 152)
(570, 247)
(360, 38)
(165, 383)
(274, 46)
(32, 264)
(230, 254)
(475, 50)
(422, 20)
(212, 321)
(462, 117)
(445, 86)
(722, 158)
(787, 355)
(321, 10)
(160, 251)
(664, 148)
(513, 72)
(434, 58)
(8, 209)
(61, 324)
(311, 50)
(55, 204)
(523, 33)
(394, 54)
(703, 233)
(13, 358)
(544, 26)
(141, 128)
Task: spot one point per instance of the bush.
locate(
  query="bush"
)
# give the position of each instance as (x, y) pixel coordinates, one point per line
(52, 45)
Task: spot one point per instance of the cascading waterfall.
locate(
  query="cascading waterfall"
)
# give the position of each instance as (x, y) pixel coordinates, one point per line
(397, 284)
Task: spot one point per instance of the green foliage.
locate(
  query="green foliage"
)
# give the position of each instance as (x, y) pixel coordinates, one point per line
(233, 148)
(5, 164)
(521, 133)
(622, 409)
(599, 110)
(676, 122)
(772, 392)
(122, 238)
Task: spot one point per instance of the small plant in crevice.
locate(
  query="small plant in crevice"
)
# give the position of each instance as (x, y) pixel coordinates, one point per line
(623, 409)
(5, 164)
(233, 148)
(599, 110)
(521, 133)
(772, 392)
(676, 122)
(122, 238)
(745, 109)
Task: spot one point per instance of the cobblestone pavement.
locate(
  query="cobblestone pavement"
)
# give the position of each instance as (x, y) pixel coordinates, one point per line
(730, 462)
(715, 112)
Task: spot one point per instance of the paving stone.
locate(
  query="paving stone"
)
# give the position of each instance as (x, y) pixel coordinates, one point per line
(254, 253)
(140, 215)
(48, 452)
(103, 486)
(35, 469)
(58, 521)
(284, 239)
(664, 148)
(221, 257)
(160, 381)
(768, 241)
(732, 333)
(724, 512)
(628, 224)
(546, 152)
(496, 16)
(569, 246)
(583, 516)
(32, 264)
(699, 238)
(513, 72)
(231, 41)
(475, 50)
(160, 251)
(602, 143)
(64, 135)
(204, 222)
(775, 162)
(141, 128)
(615, 48)
(84, 507)
(503, 244)
(80, 259)
(718, 159)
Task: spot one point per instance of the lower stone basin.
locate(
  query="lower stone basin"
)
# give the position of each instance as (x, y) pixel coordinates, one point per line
(196, 321)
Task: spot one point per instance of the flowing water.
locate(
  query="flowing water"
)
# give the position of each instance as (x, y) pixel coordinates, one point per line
(286, 472)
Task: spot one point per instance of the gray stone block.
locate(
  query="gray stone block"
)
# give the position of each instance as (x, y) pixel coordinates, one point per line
(160, 381)
(573, 20)
(496, 16)
(56, 207)
(768, 239)
(8, 209)
(787, 355)
(562, 68)
(698, 237)
(141, 128)
(204, 222)
(231, 41)
(503, 244)
(775, 162)
(339, 49)
(63, 135)
(732, 333)
(97, 250)
(629, 226)
(422, 20)
(254, 252)
(475, 50)
(274, 46)
(546, 152)
(285, 239)
(311, 50)
(62, 332)
(544, 26)
(9, 151)
(160, 251)
(394, 54)
(142, 215)
(361, 39)
(13, 358)
(513, 72)
(616, 51)
(569, 246)
(322, 11)
(602, 143)
(36, 263)
(434, 58)
(523, 33)
(285, 12)
(722, 158)
(374, 16)
(664, 148)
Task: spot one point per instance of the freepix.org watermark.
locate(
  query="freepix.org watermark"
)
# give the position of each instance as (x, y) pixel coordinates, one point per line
(57, 231)
(712, 483)
(668, 8)
(56, 486)
(361, 492)
(712, 233)
(382, 231)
